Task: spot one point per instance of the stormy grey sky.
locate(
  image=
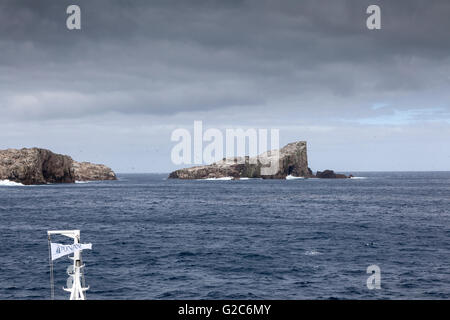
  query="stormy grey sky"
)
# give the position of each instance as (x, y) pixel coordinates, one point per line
(114, 91)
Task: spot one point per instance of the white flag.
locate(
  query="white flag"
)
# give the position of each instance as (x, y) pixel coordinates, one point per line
(59, 250)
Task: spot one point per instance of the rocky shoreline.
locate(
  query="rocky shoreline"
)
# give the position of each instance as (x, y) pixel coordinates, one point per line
(292, 161)
(36, 166)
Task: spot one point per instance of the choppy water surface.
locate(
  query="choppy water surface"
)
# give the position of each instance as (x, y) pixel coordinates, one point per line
(254, 239)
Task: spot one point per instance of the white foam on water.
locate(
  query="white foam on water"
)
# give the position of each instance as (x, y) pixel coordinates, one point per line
(358, 178)
(82, 182)
(8, 183)
(312, 253)
(217, 179)
(291, 177)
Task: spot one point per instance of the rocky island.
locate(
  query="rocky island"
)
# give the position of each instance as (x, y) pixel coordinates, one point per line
(40, 166)
(292, 161)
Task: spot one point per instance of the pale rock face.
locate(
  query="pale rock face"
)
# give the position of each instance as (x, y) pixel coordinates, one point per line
(41, 166)
(86, 171)
(292, 160)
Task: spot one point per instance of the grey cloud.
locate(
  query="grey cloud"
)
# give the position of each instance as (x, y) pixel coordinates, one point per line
(170, 56)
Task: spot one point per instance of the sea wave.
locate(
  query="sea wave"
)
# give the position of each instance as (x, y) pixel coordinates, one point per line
(291, 177)
(217, 179)
(358, 178)
(312, 253)
(8, 183)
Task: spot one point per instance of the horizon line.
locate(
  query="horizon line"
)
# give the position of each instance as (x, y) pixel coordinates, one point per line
(337, 171)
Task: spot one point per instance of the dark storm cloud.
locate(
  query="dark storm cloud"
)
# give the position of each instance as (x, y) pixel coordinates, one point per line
(316, 58)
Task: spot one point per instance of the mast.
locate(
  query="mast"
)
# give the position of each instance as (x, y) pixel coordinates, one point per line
(76, 289)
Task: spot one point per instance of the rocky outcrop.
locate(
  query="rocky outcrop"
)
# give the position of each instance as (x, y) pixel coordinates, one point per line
(86, 171)
(292, 161)
(41, 166)
(35, 166)
(277, 164)
(330, 174)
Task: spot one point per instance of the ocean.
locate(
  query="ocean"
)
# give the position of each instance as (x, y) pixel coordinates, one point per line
(154, 238)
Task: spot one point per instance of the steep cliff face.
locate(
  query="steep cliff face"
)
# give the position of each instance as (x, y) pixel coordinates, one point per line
(35, 166)
(86, 171)
(41, 166)
(290, 160)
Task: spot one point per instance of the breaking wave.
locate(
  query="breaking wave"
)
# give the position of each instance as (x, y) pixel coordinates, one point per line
(8, 183)
(217, 179)
(291, 177)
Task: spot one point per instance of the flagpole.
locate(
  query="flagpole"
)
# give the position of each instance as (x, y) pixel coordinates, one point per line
(50, 261)
(77, 291)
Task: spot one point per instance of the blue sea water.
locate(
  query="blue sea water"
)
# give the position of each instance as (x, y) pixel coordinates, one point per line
(256, 239)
